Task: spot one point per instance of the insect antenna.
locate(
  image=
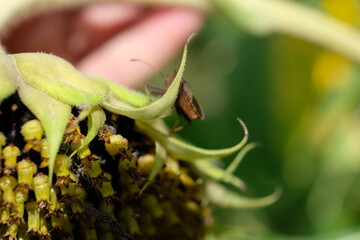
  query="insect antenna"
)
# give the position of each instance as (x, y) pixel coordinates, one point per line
(153, 67)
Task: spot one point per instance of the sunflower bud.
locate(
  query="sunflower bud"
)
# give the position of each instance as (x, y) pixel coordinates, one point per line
(11, 231)
(61, 222)
(116, 144)
(33, 213)
(95, 167)
(20, 199)
(36, 222)
(25, 170)
(54, 203)
(106, 189)
(4, 216)
(79, 194)
(10, 152)
(32, 131)
(44, 153)
(84, 153)
(151, 204)
(127, 216)
(62, 165)
(146, 163)
(67, 190)
(7, 185)
(2, 141)
(40, 185)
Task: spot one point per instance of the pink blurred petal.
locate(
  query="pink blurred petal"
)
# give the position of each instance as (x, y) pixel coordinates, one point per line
(156, 39)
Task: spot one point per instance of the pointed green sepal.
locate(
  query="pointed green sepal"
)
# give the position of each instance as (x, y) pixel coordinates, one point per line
(236, 162)
(52, 113)
(96, 120)
(159, 163)
(155, 110)
(221, 196)
(129, 96)
(215, 173)
(184, 151)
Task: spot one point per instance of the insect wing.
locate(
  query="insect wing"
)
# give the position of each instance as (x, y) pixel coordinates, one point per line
(188, 103)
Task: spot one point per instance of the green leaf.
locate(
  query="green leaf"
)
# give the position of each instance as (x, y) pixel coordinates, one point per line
(215, 173)
(159, 163)
(60, 79)
(8, 76)
(184, 151)
(52, 113)
(157, 109)
(224, 197)
(96, 120)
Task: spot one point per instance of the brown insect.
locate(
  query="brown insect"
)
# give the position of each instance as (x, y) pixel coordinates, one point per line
(185, 104)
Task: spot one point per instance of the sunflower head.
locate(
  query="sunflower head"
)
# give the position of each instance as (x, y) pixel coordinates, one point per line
(84, 158)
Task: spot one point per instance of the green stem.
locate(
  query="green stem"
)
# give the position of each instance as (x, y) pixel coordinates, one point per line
(263, 17)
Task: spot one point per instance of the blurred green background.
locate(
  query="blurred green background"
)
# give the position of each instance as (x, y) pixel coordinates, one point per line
(301, 102)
